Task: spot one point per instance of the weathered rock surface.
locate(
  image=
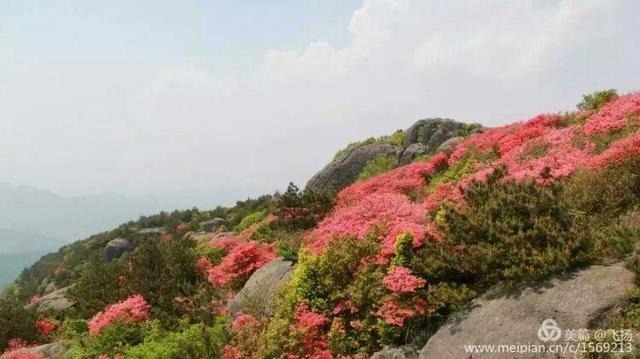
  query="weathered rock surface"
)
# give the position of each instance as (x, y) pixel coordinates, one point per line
(153, 231)
(213, 224)
(411, 152)
(345, 169)
(450, 144)
(432, 132)
(56, 301)
(50, 288)
(403, 352)
(258, 292)
(47, 351)
(574, 302)
(423, 137)
(116, 248)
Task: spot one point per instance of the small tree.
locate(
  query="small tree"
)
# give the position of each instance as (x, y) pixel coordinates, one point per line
(594, 101)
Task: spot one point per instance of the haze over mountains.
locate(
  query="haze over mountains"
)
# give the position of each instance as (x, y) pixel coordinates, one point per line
(34, 222)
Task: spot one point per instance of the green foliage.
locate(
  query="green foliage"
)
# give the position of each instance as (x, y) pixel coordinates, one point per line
(97, 286)
(16, 321)
(250, 220)
(461, 168)
(162, 271)
(194, 341)
(605, 195)
(324, 281)
(508, 232)
(112, 340)
(380, 164)
(73, 329)
(403, 251)
(468, 129)
(299, 210)
(595, 100)
(396, 138)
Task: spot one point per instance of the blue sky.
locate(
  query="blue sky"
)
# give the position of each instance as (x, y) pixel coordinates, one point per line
(241, 97)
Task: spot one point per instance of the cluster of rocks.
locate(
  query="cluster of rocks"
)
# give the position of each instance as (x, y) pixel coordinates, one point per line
(424, 137)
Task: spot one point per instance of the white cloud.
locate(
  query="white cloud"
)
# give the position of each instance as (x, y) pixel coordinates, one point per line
(490, 61)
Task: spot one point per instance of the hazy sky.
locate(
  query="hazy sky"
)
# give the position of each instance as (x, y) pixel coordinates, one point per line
(154, 96)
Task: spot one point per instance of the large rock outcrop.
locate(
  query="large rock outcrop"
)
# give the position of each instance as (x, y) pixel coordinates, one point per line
(116, 248)
(423, 137)
(56, 301)
(257, 294)
(344, 170)
(432, 132)
(576, 301)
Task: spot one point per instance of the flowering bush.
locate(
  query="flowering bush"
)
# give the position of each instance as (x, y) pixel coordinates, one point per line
(241, 262)
(46, 327)
(131, 310)
(402, 280)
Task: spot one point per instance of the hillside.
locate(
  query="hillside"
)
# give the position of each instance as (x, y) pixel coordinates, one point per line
(387, 244)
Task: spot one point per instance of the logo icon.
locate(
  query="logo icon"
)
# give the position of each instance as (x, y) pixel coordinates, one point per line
(549, 331)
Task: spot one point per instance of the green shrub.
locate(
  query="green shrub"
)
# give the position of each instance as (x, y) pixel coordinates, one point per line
(296, 209)
(508, 232)
(194, 341)
(380, 164)
(606, 194)
(16, 321)
(250, 220)
(461, 168)
(73, 329)
(113, 339)
(595, 100)
(396, 138)
(97, 286)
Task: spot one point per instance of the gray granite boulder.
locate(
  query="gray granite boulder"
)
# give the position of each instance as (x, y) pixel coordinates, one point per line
(56, 301)
(257, 294)
(116, 248)
(403, 352)
(450, 144)
(432, 132)
(411, 152)
(576, 301)
(213, 224)
(156, 231)
(345, 169)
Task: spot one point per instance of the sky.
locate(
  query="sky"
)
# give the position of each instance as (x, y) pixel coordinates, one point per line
(238, 98)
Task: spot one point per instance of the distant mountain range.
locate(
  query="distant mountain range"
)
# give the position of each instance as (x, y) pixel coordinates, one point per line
(34, 222)
(11, 264)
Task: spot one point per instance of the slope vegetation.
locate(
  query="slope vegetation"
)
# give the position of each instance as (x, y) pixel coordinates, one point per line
(381, 263)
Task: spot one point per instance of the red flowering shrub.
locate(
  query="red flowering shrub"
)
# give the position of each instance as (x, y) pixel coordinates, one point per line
(131, 310)
(21, 355)
(241, 262)
(401, 280)
(15, 350)
(46, 327)
(388, 213)
(311, 327)
(613, 115)
(405, 180)
(394, 314)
